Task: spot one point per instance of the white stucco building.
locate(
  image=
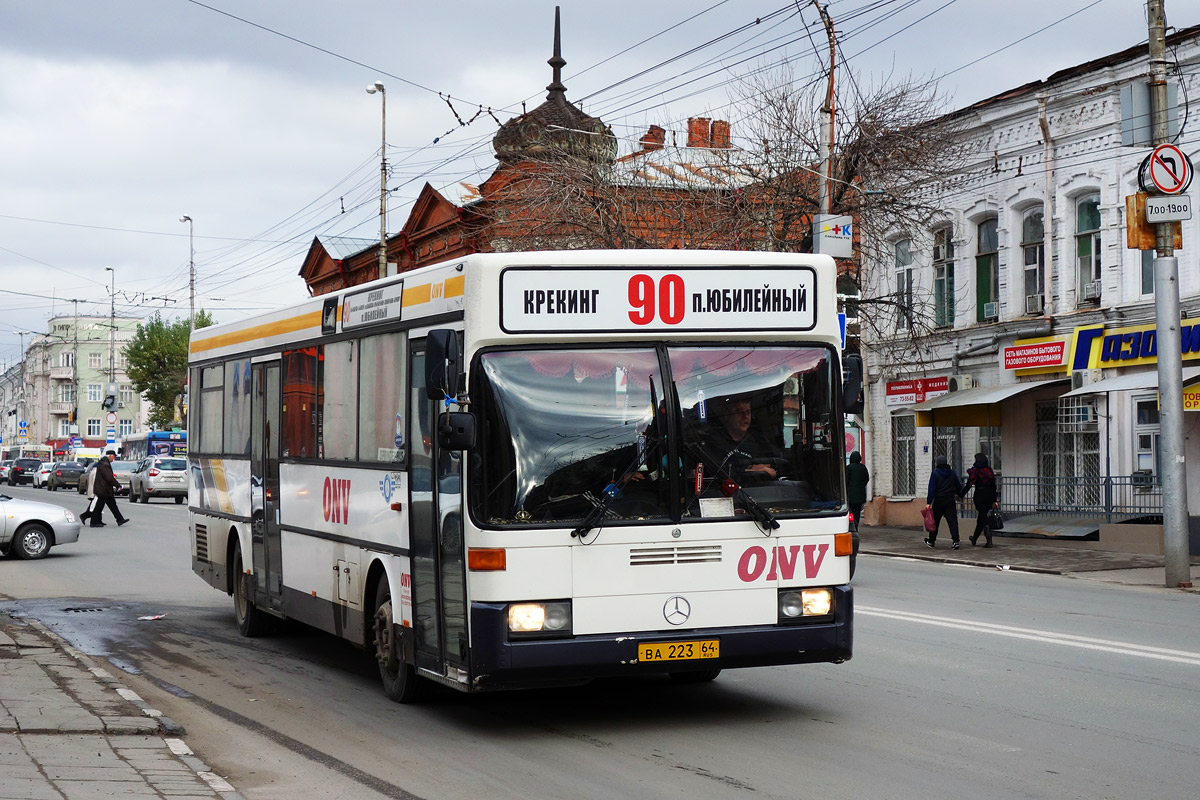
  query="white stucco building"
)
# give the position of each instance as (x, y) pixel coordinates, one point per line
(1036, 320)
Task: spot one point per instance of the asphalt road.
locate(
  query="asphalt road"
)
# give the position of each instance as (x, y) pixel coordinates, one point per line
(966, 682)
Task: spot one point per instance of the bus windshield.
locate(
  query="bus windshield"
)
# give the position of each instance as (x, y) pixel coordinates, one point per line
(567, 432)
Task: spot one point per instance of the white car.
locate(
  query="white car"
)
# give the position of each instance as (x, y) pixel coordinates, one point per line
(28, 529)
(40, 476)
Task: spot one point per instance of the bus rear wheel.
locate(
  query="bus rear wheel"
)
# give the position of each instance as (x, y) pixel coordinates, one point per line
(400, 681)
(250, 621)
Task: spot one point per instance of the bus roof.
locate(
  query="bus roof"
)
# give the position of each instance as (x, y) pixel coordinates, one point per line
(567, 295)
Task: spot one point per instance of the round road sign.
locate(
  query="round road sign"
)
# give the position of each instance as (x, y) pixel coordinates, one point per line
(1167, 170)
(111, 418)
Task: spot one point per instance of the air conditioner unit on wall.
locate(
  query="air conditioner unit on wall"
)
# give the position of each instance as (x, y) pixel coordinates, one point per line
(1091, 291)
(958, 383)
(1033, 303)
(991, 310)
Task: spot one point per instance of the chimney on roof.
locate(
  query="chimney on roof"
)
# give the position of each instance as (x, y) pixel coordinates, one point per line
(720, 134)
(654, 138)
(699, 134)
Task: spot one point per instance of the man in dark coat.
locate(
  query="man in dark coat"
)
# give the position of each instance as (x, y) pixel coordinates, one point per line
(857, 478)
(942, 498)
(736, 446)
(106, 489)
(987, 496)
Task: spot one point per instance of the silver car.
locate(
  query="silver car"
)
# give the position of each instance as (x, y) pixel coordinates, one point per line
(28, 529)
(159, 476)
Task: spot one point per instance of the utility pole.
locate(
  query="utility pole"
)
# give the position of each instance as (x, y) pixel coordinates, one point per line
(827, 116)
(75, 372)
(1167, 323)
(378, 86)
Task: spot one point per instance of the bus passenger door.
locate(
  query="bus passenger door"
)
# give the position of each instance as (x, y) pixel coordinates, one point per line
(264, 484)
(435, 535)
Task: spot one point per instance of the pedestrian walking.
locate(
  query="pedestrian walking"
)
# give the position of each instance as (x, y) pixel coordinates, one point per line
(987, 496)
(106, 488)
(91, 496)
(857, 478)
(942, 498)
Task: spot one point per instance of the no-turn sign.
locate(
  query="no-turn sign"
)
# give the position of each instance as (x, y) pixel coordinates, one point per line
(1167, 170)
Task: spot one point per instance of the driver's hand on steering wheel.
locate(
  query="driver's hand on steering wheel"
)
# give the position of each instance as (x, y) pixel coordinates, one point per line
(766, 469)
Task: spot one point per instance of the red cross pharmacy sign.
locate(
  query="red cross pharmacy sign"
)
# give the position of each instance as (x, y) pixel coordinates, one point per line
(1167, 170)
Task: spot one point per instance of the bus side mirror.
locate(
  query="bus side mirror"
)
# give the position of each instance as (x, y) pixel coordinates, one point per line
(852, 384)
(456, 430)
(441, 364)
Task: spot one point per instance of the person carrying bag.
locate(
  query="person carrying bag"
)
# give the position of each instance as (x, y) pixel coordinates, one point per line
(987, 498)
(91, 496)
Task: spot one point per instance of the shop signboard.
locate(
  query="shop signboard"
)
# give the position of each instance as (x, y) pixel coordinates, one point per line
(898, 394)
(1036, 354)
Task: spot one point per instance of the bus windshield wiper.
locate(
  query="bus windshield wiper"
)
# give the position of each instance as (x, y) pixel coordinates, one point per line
(730, 488)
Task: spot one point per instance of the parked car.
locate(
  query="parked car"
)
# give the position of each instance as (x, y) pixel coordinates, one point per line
(28, 529)
(159, 476)
(5, 466)
(40, 475)
(63, 475)
(23, 469)
(121, 471)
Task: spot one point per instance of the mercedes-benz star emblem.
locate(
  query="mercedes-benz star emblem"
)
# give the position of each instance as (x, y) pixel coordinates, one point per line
(677, 610)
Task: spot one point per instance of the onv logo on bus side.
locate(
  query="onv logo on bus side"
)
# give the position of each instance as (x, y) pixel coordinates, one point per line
(335, 500)
(783, 561)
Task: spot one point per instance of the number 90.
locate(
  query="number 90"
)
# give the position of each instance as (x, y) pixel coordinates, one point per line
(645, 299)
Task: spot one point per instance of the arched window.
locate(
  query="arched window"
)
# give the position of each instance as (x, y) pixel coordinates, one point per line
(1087, 247)
(1033, 258)
(943, 277)
(987, 271)
(904, 284)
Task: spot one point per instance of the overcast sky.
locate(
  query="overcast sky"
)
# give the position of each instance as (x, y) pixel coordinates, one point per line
(119, 116)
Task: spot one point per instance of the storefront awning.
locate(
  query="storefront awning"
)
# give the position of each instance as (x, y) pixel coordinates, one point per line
(978, 406)
(1146, 379)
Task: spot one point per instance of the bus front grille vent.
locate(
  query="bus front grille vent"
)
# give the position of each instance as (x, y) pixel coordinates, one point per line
(667, 555)
(202, 542)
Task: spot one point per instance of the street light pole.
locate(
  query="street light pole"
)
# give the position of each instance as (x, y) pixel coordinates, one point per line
(191, 274)
(112, 326)
(372, 89)
(21, 387)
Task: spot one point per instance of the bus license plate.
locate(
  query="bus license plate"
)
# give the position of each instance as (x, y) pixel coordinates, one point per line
(679, 651)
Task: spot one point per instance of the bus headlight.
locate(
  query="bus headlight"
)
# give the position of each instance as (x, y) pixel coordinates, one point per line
(539, 619)
(805, 605)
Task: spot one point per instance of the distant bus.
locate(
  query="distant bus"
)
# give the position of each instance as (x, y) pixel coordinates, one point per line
(137, 446)
(16, 451)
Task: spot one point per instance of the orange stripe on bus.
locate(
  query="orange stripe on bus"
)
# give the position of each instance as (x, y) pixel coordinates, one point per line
(456, 286)
(416, 295)
(290, 325)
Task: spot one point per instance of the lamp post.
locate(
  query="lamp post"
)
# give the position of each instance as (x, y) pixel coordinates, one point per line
(191, 274)
(372, 89)
(21, 386)
(112, 326)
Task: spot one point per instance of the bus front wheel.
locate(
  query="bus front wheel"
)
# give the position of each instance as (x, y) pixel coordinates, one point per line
(250, 621)
(400, 681)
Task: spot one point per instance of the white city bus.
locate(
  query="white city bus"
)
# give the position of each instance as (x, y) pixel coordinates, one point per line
(525, 469)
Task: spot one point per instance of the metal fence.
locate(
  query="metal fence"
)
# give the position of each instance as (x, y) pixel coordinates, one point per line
(1093, 496)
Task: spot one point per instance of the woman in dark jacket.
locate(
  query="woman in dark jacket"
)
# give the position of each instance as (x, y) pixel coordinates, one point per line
(987, 496)
(857, 478)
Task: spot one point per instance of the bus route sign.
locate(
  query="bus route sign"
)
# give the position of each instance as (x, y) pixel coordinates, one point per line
(609, 299)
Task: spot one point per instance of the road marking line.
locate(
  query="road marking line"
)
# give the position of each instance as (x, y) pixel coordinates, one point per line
(1049, 637)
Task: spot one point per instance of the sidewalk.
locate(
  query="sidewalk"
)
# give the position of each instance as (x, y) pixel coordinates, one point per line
(1024, 554)
(70, 731)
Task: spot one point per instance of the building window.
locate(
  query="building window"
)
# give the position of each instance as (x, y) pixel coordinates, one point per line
(66, 359)
(64, 427)
(1068, 459)
(943, 277)
(95, 393)
(1147, 271)
(904, 456)
(93, 427)
(987, 271)
(65, 393)
(94, 361)
(946, 443)
(126, 393)
(904, 284)
(1033, 258)
(1146, 435)
(989, 445)
(125, 427)
(1087, 247)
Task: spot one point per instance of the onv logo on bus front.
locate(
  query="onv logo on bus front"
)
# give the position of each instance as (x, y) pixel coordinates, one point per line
(783, 562)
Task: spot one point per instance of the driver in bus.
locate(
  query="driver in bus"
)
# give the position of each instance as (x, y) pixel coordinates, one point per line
(733, 443)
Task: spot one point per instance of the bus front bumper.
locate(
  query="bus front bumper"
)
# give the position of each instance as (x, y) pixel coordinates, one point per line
(497, 662)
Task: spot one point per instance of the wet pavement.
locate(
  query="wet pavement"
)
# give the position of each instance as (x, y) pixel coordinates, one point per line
(69, 730)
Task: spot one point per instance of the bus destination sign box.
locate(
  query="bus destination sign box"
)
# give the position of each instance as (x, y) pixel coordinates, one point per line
(606, 299)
